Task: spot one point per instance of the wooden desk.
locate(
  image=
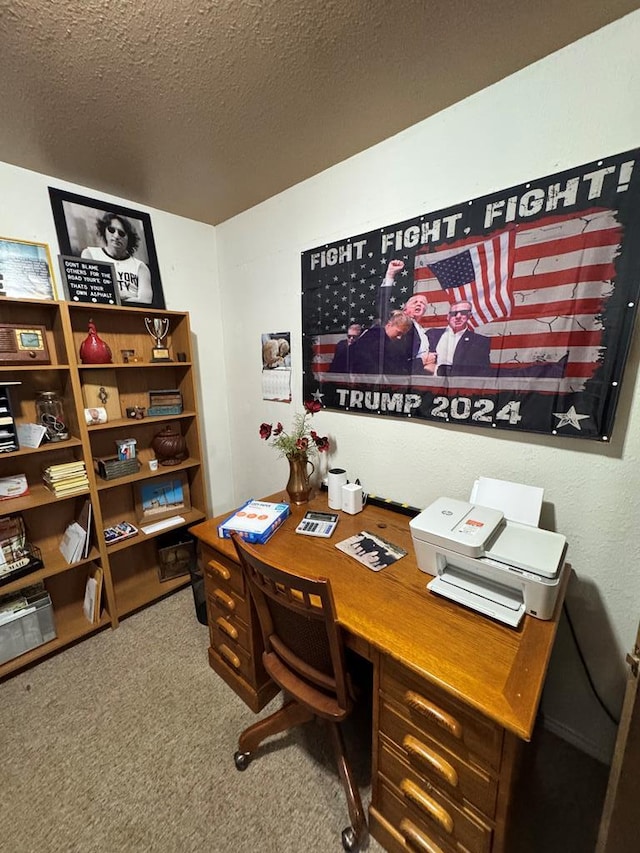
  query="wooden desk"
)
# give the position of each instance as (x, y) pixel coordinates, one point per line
(455, 694)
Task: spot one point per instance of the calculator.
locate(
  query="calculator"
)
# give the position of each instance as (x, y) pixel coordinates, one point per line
(318, 524)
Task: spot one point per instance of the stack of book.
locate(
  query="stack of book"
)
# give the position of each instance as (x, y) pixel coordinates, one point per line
(66, 479)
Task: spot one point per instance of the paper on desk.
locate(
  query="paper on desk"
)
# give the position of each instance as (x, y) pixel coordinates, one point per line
(517, 501)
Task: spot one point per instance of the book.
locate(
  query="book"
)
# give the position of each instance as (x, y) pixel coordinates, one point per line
(70, 481)
(92, 604)
(255, 521)
(55, 472)
(84, 520)
(65, 492)
(371, 550)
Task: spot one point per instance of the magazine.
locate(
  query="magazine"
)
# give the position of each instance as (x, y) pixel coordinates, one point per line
(371, 550)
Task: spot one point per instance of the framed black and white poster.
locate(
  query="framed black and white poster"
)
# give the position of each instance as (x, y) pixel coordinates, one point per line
(512, 311)
(94, 282)
(102, 231)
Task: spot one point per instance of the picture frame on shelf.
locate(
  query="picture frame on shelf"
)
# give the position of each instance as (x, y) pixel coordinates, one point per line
(25, 270)
(176, 559)
(162, 497)
(101, 230)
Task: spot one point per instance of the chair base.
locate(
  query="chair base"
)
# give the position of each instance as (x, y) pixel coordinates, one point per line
(292, 714)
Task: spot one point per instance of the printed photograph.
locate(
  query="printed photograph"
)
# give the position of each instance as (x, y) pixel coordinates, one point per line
(371, 550)
(101, 231)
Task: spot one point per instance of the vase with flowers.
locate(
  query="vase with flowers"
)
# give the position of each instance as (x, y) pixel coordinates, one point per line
(297, 445)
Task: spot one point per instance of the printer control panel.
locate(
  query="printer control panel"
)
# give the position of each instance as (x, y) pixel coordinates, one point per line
(453, 523)
(476, 525)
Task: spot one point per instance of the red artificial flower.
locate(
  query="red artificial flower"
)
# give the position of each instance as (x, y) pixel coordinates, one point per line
(302, 443)
(265, 431)
(322, 443)
(278, 428)
(312, 406)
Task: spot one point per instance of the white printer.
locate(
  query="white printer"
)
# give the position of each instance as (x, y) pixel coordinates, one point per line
(489, 562)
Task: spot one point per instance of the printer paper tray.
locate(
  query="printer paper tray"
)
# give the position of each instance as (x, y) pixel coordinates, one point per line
(506, 607)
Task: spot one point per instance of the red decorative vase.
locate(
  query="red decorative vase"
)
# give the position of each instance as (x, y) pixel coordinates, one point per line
(170, 446)
(93, 350)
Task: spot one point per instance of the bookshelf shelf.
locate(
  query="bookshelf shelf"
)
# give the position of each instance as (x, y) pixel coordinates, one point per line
(130, 577)
(146, 474)
(45, 448)
(191, 517)
(131, 423)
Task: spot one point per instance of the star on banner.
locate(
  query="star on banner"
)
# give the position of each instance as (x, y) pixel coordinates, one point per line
(317, 395)
(569, 418)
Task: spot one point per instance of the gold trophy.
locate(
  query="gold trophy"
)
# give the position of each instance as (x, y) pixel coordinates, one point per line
(158, 328)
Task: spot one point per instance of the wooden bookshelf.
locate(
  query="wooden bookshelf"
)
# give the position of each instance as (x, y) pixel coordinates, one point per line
(130, 567)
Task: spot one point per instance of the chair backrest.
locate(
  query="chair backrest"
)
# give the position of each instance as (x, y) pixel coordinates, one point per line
(298, 622)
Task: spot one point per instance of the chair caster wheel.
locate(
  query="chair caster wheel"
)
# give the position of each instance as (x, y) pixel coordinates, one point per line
(242, 760)
(349, 841)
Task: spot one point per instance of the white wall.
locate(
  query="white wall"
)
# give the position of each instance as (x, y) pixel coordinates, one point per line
(568, 109)
(188, 269)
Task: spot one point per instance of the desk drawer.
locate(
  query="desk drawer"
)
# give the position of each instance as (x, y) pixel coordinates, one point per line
(227, 625)
(222, 572)
(473, 737)
(435, 764)
(430, 809)
(235, 657)
(227, 601)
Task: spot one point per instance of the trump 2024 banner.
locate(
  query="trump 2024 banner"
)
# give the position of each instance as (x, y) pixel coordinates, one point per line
(512, 311)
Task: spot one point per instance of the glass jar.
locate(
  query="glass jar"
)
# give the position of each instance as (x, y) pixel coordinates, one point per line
(50, 415)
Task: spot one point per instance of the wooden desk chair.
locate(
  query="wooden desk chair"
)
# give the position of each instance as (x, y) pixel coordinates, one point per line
(304, 655)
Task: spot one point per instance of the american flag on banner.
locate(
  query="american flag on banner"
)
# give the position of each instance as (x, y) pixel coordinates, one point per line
(561, 278)
(479, 273)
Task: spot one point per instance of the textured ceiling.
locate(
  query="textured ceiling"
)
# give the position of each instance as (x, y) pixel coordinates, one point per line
(207, 107)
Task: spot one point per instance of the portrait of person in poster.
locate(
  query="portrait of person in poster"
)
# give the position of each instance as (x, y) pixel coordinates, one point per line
(511, 311)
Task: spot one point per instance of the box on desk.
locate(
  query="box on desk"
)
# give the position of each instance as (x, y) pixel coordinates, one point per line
(26, 621)
(255, 521)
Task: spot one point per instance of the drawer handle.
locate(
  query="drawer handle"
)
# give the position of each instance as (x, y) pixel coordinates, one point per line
(416, 840)
(417, 749)
(224, 599)
(229, 656)
(430, 807)
(227, 627)
(428, 709)
(221, 571)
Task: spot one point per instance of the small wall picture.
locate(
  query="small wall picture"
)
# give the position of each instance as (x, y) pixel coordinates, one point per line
(99, 230)
(163, 497)
(25, 270)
